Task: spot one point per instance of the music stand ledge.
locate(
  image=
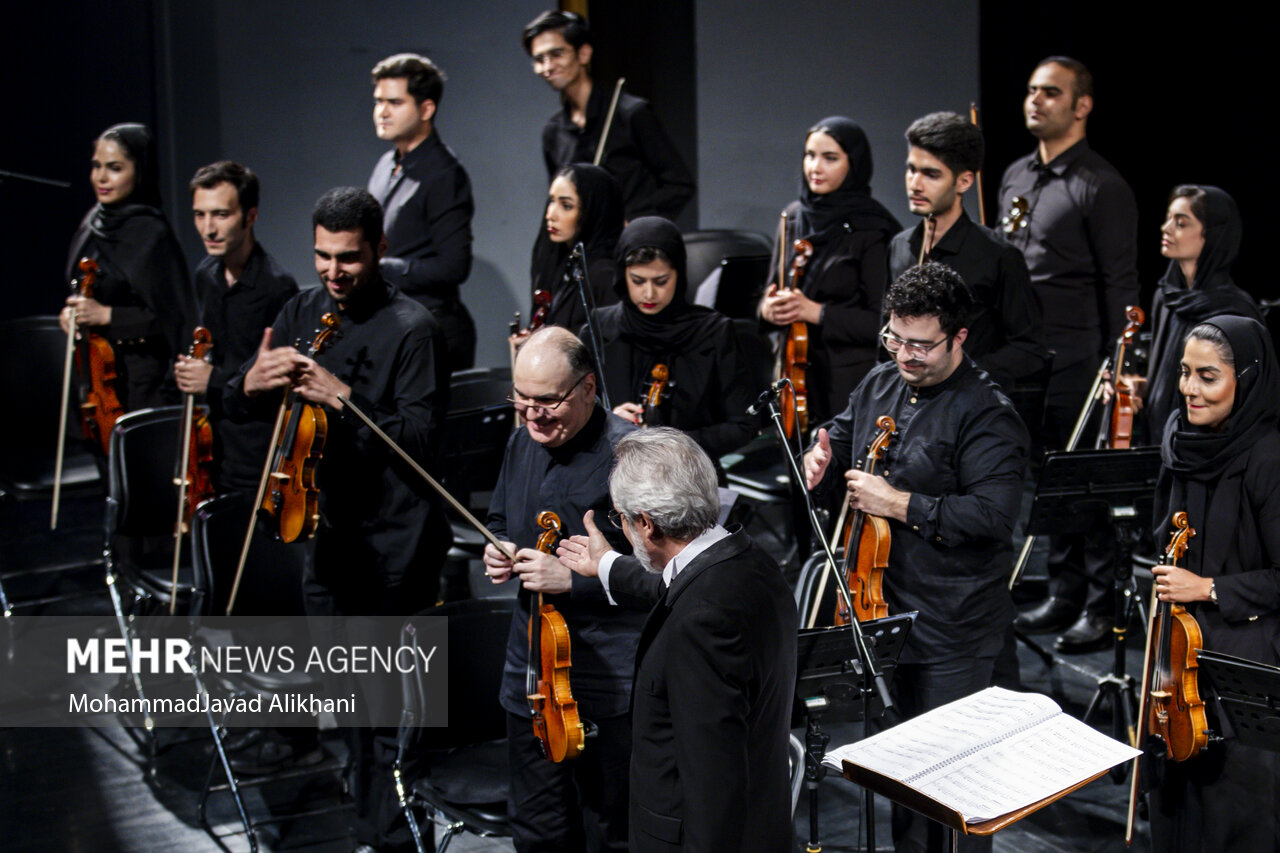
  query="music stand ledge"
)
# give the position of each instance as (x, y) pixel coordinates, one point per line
(905, 795)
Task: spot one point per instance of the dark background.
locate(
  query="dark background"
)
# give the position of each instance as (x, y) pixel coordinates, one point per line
(284, 87)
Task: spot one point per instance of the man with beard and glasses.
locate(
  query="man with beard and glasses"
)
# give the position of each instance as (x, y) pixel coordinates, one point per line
(560, 461)
(382, 535)
(951, 489)
(653, 176)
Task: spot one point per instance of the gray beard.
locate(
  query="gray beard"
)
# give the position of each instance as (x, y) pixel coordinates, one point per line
(645, 562)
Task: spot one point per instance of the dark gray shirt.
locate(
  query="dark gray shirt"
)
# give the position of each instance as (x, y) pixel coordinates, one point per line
(1081, 248)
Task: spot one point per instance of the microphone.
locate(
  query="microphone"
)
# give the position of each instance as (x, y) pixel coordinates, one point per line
(768, 394)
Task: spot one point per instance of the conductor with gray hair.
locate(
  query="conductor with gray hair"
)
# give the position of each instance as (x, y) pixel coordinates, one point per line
(716, 664)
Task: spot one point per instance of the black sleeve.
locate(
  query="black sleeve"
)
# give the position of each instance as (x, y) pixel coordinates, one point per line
(446, 207)
(633, 587)
(1112, 227)
(1024, 349)
(856, 282)
(675, 184)
(736, 427)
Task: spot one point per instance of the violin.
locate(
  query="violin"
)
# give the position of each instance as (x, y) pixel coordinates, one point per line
(194, 473)
(1171, 707)
(795, 353)
(660, 376)
(100, 406)
(293, 499)
(555, 713)
(1116, 432)
(867, 556)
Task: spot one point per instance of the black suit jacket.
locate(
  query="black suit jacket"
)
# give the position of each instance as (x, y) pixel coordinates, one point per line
(711, 706)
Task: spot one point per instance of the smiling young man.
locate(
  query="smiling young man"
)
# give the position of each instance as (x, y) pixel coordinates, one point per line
(382, 536)
(241, 288)
(951, 490)
(1006, 331)
(654, 178)
(426, 196)
(1079, 238)
(560, 461)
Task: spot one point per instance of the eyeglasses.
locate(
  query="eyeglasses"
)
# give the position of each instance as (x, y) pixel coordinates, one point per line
(615, 518)
(524, 404)
(893, 344)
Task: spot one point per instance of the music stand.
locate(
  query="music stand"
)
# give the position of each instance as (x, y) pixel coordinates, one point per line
(832, 683)
(1249, 693)
(1079, 491)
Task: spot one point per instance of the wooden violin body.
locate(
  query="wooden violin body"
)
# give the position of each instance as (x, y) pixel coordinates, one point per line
(795, 353)
(867, 556)
(555, 713)
(197, 434)
(1119, 420)
(292, 498)
(100, 406)
(659, 377)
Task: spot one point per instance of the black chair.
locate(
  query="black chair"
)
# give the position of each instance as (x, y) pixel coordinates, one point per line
(33, 350)
(704, 250)
(271, 585)
(463, 780)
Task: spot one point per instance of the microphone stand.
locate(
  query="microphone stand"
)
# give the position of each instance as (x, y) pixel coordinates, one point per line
(817, 740)
(578, 269)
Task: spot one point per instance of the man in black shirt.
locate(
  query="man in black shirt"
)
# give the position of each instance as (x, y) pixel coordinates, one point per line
(1079, 236)
(426, 197)
(241, 288)
(382, 535)
(654, 178)
(1006, 331)
(951, 490)
(560, 461)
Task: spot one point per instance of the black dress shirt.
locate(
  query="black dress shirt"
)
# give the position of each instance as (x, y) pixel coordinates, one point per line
(427, 209)
(235, 317)
(569, 480)
(1081, 248)
(961, 450)
(382, 528)
(653, 176)
(1006, 331)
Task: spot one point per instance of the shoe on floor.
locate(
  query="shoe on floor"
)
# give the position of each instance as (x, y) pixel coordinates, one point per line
(272, 756)
(1089, 634)
(1054, 614)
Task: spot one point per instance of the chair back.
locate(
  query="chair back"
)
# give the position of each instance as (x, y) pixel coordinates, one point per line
(704, 250)
(33, 350)
(477, 428)
(141, 497)
(478, 629)
(272, 581)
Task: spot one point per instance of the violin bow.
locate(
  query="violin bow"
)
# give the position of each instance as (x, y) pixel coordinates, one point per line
(257, 501)
(608, 122)
(431, 481)
(977, 176)
(62, 421)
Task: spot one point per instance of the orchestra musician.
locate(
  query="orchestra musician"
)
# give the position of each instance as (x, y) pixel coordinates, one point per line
(382, 536)
(1201, 238)
(717, 659)
(950, 488)
(241, 289)
(1079, 237)
(1221, 453)
(584, 205)
(708, 389)
(143, 302)
(560, 461)
(1006, 331)
(845, 279)
(650, 171)
(426, 198)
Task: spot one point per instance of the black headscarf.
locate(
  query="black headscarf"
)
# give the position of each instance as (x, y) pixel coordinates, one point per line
(1212, 293)
(822, 216)
(677, 327)
(1203, 469)
(599, 223)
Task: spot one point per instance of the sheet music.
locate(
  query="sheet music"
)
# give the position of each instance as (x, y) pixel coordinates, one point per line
(988, 754)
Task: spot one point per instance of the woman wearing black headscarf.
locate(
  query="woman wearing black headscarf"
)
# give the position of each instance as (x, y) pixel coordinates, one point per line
(1221, 455)
(1201, 238)
(584, 205)
(143, 303)
(708, 389)
(846, 277)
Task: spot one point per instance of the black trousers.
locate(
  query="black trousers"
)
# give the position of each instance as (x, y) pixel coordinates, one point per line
(920, 687)
(574, 806)
(459, 333)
